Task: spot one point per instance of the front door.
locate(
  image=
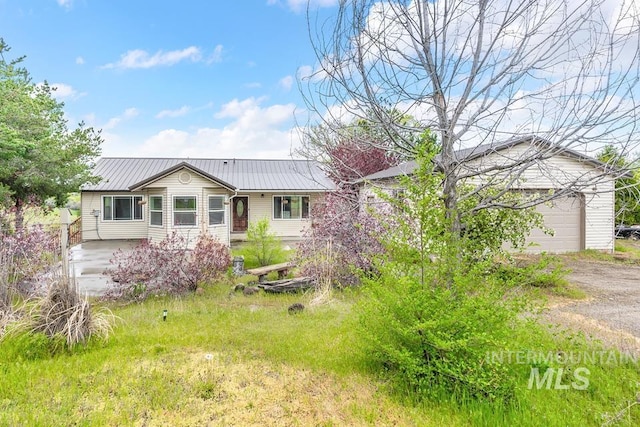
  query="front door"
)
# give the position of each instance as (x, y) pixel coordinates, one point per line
(240, 213)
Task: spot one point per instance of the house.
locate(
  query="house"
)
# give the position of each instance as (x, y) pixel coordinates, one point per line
(581, 190)
(139, 198)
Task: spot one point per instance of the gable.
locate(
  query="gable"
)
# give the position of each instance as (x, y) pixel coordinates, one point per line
(522, 153)
(529, 166)
(183, 178)
(181, 174)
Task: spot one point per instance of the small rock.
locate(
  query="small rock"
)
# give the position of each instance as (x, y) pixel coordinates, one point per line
(250, 290)
(295, 308)
(239, 287)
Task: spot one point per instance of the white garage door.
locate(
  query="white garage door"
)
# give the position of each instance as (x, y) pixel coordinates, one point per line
(564, 217)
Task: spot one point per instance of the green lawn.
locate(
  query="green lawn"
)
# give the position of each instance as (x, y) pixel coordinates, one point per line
(222, 358)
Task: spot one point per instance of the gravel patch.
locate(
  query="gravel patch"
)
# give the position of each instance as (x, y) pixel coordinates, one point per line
(611, 313)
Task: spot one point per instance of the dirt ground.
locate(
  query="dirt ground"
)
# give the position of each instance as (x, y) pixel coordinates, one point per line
(611, 310)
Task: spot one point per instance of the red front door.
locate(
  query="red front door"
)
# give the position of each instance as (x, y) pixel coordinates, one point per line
(240, 213)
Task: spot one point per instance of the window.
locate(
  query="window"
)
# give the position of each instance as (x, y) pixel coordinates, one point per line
(122, 208)
(216, 210)
(290, 207)
(155, 210)
(184, 211)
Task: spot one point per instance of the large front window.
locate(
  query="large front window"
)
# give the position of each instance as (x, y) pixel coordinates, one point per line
(290, 207)
(121, 208)
(184, 211)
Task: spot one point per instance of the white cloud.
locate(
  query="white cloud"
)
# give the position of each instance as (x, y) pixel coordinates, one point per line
(253, 85)
(89, 119)
(142, 59)
(300, 5)
(216, 56)
(253, 131)
(62, 91)
(65, 3)
(129, 113)
(174, 113)
(80, 60)
(308, 73)
(286, 83)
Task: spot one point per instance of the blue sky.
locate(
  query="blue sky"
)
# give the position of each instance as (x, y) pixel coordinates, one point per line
(165, 78)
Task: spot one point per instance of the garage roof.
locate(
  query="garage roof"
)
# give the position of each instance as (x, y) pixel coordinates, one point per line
(467, 154)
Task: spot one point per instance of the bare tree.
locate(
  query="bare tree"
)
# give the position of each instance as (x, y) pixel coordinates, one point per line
(563, 73)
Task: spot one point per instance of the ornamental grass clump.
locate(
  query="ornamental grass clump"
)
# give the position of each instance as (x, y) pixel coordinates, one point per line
(61, 315)
(62, 312)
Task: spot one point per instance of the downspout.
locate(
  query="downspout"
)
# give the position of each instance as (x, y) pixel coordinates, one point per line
(231, 215)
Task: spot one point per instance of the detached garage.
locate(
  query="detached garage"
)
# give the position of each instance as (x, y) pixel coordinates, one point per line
(565, 216)
(581, 217)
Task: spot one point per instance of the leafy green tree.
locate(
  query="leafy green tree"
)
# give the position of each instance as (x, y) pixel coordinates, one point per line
(627, 186)
(263, 247)
(436, 307)
(40, 156)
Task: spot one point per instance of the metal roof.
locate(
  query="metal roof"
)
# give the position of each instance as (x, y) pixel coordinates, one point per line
(467, 154)
(125, 173)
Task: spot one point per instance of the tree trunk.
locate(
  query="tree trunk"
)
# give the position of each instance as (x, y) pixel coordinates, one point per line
(19, 219)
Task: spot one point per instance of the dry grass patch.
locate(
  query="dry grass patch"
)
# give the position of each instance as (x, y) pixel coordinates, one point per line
(222, 389)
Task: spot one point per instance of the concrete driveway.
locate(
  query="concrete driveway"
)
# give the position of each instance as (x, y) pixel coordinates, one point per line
(90, 259)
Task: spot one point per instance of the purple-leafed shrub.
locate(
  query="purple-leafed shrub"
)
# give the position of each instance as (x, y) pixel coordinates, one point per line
(341, 241)
(25, 255)
(167, 267)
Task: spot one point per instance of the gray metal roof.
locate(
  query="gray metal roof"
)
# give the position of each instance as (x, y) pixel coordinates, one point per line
(405, 168)
(466, 154)
(125, 173)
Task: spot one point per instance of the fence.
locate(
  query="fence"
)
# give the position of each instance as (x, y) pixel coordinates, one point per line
(75, 232)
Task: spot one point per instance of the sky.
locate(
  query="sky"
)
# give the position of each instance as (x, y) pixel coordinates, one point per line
(213, 78)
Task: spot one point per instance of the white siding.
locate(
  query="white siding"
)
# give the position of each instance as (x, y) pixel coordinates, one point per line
(168, 187)
(156, 233)
(596, 190)
(599, 217)
(97, 229)
(555, 172)
(201, 188)
(261, 206)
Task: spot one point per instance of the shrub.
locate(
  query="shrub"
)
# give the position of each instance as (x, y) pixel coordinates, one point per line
(263, 247)
(24, 255)
(436, 337)
(436, 308)
(353, 236)
(546, 272)
(167, 267)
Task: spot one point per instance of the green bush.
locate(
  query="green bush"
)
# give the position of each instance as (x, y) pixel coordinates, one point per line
(437, 337)
(547, 272)
(263, 247)
(436, 309)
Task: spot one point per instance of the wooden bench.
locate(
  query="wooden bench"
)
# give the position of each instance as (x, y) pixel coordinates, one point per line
(261, 272)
